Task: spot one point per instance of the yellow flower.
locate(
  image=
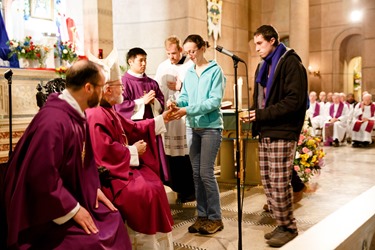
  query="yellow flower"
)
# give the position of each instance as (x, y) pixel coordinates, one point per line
(306, 164)
(310, 142)
(314, 158)
(304, 157)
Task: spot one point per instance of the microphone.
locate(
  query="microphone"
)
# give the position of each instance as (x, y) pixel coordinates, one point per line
(228, 53)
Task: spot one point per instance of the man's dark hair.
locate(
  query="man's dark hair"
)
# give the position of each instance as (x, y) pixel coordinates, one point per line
(82, 72)
(134, 52)
(268, 32)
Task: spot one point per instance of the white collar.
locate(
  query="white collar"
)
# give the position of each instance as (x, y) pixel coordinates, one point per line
(66, 96)
(135, 74)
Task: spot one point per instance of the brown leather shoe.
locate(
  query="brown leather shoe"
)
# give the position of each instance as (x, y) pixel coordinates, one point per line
(200, 221)
(211, 226)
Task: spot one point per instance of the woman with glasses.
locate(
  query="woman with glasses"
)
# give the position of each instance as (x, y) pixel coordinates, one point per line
(200, 100)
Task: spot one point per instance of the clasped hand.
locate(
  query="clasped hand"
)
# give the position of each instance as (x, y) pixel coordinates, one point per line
(141, 146)
(149, 97)
(248, 116)
(174, 112)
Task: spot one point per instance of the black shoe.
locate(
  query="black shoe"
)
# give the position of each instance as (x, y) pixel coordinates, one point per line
(281, 237)
(366, 144)
(336, 143)
(355, 144)
(181, 198)
(269, 235)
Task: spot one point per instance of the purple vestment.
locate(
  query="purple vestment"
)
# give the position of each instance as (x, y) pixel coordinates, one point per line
(135, 88)
(51, 169)
(137, 192)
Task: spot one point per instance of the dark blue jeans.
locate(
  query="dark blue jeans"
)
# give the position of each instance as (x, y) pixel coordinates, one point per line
(204, 146)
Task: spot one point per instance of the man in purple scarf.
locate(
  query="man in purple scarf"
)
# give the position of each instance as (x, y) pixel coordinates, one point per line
(52, 190)
(280, 101)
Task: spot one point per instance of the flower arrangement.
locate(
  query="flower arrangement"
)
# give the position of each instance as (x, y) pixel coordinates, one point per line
(309, 155)
(61, 71)
(27, 49)
(66, 51)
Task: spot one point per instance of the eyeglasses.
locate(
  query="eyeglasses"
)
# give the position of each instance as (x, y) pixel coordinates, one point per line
(192, 52)
(116, 84)
(97, 85)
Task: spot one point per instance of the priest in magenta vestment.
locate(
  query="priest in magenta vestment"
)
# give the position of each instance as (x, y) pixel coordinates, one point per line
(52, 179)
(128, 150)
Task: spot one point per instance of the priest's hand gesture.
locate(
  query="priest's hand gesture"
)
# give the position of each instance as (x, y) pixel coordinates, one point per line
(102, 198)
(167, 115)
(149, 97)
(141, 146)
(177, 113)
(83, 218)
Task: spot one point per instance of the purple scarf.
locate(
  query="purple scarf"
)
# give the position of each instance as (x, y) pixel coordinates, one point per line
(339, 110)
(317, 109)
(271, 60)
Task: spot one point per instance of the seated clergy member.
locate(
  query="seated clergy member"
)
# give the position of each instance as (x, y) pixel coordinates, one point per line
(128, 150)
(316, 113)
(52, 186)
(364, 117)
(334, 129)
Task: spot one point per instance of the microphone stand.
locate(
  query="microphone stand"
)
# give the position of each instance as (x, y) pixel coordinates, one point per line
(238, 157)
(3, 167)
(8, 75)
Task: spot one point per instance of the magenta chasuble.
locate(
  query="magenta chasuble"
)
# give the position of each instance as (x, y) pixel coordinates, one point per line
(51, 169)
(137, 192)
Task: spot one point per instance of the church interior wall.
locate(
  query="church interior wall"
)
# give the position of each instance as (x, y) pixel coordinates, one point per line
(147, 23)
(333, 39)
(149, 27)
(368, 60)
(276, 12)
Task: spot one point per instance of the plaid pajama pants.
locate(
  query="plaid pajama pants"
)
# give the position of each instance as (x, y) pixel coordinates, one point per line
(276, 163)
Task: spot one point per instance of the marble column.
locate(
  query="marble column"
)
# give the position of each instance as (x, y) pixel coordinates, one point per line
(368, 58)
(299, 29)
(98, 26)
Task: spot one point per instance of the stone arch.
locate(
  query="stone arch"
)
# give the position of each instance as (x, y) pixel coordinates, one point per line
(340, 53)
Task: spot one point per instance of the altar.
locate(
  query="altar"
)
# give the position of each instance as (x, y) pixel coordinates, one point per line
(24, 106)
(226, 158)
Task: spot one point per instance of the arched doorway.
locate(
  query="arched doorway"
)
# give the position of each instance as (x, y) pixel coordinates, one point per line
(353, 81)
(350, 58)
(346, 46)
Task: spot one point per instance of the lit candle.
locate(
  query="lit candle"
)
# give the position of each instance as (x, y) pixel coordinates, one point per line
(240, 82)
(239, 88)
